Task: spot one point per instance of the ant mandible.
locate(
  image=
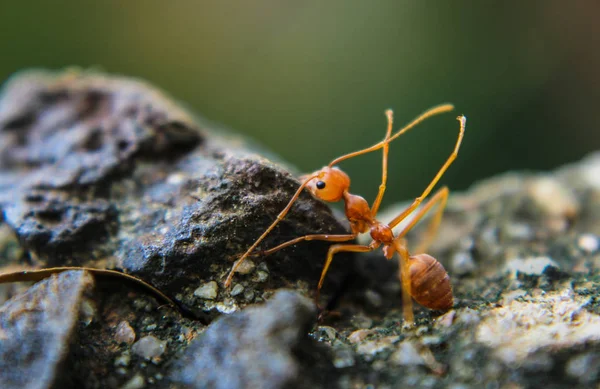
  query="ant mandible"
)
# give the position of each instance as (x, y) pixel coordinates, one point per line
(421, 275)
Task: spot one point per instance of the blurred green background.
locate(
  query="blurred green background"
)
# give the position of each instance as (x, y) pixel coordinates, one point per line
(311, 79)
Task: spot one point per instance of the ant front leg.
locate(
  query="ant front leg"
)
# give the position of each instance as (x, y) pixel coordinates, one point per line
(384, 165)
(463, 122)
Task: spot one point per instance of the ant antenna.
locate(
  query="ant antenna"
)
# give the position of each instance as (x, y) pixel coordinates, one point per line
(425, 115)
(268, 230)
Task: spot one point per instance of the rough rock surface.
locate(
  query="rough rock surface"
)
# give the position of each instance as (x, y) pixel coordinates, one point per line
(251, 349)
(107, 172)
(36, 328)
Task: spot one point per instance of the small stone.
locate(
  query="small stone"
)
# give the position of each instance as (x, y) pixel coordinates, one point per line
(261, 276)
(137, 382)
(359, 335)
(151, 327)
(326, 333)
(228, 305)
(207, 291)
(149, 347)
(237, 289)
(407, 354)
(249, 294)
(246, 267)
(123, 359)
(588, 243)
(531, 266)
(462, 263)
(124, 333)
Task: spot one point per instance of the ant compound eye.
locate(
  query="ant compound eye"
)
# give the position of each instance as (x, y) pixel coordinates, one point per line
(320, 185)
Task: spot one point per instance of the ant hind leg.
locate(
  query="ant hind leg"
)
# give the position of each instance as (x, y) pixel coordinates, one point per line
(441, 198)
(354, 248)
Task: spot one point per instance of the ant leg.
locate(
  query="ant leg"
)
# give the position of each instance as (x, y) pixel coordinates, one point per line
(280, 217)
(384, 166)
(440, 197)
(336, 248)
(425, 115)
(440, 173)
(328, 238)
(404, 275)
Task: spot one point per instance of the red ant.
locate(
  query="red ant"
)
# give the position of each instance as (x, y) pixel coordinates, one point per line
(421, 275)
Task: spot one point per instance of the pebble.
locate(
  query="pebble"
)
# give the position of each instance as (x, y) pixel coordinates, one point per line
(531, 266)
(207, 291)
(149, 347)
(588, 243)
(124, 333)
(249, 295)
(359, 335)
(137, 382)
(123, 359)
(261, 276)
(326, 333)
(246, 267)
(237, 289)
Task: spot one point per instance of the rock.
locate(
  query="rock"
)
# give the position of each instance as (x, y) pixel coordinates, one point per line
(109, 172)
(207, 291)
(552, 321)
(124, 333)
(36, 330)
(149, 347)
(250, 349)
(133, 181)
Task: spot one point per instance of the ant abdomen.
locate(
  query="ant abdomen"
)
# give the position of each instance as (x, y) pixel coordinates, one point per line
(430, 283)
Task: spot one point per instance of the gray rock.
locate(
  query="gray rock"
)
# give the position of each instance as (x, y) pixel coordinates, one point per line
(250, 349)
(149, 347)
(36, 330)
(109, 172)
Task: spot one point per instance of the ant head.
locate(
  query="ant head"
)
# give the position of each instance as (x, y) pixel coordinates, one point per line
(329, 184)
